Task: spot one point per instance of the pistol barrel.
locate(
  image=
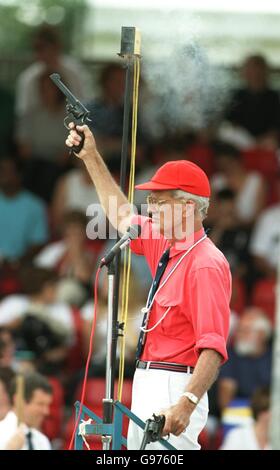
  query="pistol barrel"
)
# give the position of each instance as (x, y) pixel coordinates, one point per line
(55, 77)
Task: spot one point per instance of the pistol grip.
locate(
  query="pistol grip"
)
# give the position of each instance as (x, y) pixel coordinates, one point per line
(78, 148)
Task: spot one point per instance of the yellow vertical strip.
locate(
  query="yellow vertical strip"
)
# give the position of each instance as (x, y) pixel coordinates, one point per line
(127, 257)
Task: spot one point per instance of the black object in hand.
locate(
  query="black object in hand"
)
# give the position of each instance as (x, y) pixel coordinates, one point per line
(76, 111)
(153, 430)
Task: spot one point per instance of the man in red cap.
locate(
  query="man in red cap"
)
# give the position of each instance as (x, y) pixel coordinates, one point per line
(183, 336)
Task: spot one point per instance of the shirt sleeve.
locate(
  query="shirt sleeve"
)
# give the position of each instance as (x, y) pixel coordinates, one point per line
(209, 292)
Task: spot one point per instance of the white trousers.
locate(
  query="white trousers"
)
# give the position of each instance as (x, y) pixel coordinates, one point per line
(156, 390)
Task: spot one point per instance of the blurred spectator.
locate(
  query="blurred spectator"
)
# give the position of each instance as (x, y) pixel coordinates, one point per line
(36, 400)
(201, 153)
(71, 258)
(227, 233)
(44, 152)
(6, 377)
(23, 217)
(39, 287)
(253, 436)
(263, 295)
(136, 302)
(255, 107)
(236, 136)
(73, 191)
(107, 115)
(249, 364)
(264, 246)
(41, 325)
(249, 187)
(48, 59)
(7, 348)
(7, 121)
(263, 160)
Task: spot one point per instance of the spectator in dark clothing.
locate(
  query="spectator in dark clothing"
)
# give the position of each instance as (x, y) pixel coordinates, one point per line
(255, 107)
(107, 114)
(249, 364)
(7, 121)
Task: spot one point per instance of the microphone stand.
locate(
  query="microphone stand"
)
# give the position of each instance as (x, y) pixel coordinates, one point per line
(108, 400)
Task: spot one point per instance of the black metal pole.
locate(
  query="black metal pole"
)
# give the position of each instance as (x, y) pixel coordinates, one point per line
(123, 173)
(126, 120)
(108, 411)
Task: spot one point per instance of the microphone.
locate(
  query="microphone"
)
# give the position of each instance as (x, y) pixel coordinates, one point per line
(132, 233)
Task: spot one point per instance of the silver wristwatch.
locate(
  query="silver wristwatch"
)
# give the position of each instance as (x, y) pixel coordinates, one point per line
(191, 397)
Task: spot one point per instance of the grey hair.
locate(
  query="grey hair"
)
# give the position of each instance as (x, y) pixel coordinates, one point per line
(202, 203)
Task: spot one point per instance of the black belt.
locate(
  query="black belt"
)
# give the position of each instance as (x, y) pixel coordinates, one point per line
(171, 366)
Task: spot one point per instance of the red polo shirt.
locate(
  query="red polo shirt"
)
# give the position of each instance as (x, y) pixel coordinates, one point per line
(198, 293)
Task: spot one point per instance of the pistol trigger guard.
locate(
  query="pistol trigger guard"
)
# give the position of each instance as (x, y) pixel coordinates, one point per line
(66, 123)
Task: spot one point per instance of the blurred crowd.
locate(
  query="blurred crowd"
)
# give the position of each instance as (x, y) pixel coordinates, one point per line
(48, 264)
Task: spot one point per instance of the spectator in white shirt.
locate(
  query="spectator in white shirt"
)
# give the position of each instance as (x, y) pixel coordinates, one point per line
(248, 186)
(42, 325)
(35, 407)
(265, 242)
(255, 435)
(74, 191)
(72, 259)
(40, 295)
(48, 57)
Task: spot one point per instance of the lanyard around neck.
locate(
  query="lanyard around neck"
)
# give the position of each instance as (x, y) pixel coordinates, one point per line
(146, 308)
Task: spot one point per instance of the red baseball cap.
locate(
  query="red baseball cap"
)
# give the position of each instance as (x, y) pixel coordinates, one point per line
(179, 174)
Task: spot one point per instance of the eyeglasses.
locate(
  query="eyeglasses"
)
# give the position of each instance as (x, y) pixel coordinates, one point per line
(151, 200)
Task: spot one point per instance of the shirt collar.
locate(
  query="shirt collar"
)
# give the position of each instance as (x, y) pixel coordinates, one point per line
(185, 244)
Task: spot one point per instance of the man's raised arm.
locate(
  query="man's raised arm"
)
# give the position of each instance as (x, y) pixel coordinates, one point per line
(108, 191)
